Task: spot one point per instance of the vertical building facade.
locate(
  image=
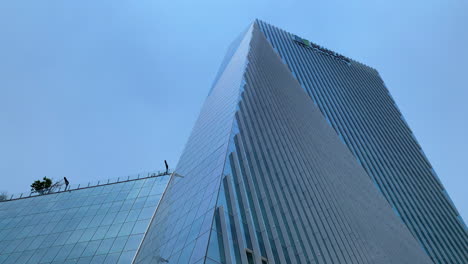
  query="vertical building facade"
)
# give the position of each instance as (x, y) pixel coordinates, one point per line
(355, 102)
(267, 177)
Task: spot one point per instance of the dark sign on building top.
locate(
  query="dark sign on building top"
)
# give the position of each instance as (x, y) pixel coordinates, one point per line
(320, 49)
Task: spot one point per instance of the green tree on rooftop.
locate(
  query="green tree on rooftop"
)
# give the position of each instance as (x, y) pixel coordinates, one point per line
(45, 186)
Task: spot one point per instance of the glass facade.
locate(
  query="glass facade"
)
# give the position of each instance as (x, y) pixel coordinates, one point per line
(355, 101)
(99, 224)
(264, 178)
(183, 223)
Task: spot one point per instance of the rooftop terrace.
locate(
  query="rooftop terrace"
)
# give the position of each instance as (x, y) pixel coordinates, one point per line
(73, 187)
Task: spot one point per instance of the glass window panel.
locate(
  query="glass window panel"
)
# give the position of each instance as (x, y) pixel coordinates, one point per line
(63, 252)
(49, 240)
(152, 200)
(112, 258)
(13, 257)
(24, 258)
(96, 220)
(62, 239)
(133, 215)
(88, 234)
(119, 244)
(77, 250)
(127, 205)
(144, 191)
(99, 259)
(200, 247)
(38, 254)
(24, 245)
(146, 213)
(133, 242)
(121, 216)
(73, 224)
(126, 229)
(75, 236)
(34, 245)
(126, 257)
(85, 260)
(50, 254)
(140, 227)
(186, 253)
(85, 222)
(91, 248)
(113, 230)
(100, 232)
(109, 218)
(105, 246)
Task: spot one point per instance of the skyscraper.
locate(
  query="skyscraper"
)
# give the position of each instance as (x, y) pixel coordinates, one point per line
(299, 155)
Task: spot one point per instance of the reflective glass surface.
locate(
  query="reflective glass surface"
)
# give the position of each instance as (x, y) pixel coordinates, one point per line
(100, 224)
(359, 107)
(183, 222)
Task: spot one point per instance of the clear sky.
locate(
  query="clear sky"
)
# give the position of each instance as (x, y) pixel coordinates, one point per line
(99, 89)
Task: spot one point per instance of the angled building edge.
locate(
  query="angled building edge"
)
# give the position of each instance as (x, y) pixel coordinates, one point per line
(265, 179)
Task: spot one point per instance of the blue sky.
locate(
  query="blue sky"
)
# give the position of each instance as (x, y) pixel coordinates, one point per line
(99, 89)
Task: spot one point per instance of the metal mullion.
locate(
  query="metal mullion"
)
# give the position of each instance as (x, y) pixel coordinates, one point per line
(425, 206)
(332, 229)
(242, 126)
(300, 57)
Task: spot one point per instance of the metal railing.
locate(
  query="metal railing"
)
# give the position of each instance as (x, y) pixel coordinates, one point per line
(91, 184)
